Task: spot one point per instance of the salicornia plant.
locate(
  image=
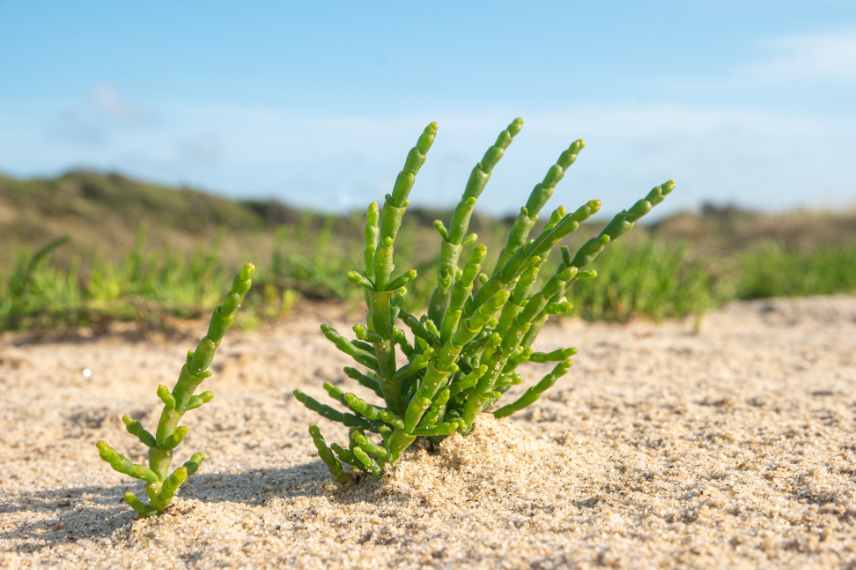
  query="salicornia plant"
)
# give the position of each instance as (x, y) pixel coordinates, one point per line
(161, 485)
(479, 327)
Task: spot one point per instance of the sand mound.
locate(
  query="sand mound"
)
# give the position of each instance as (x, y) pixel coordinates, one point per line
(499, 462)
(662, 449)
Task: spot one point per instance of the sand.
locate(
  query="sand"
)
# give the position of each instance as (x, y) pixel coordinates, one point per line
(734, 447)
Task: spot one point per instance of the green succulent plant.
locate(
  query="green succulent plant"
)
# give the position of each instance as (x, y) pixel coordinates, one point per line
(460, 357)
(161, 484)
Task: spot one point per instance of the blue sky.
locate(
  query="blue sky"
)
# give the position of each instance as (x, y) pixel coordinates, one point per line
(317, 104)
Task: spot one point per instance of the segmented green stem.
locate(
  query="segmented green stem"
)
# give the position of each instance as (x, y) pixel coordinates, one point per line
(539, 196)
(533, 393)
(379, 299)
(452, 239)
(161, 484)
(327, 455)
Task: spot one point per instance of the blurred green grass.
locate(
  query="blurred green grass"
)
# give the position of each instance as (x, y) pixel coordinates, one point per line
(638, 279)
(771, 270)
(147, 253)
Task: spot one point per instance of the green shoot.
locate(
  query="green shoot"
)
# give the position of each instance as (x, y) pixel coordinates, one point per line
(161, 484)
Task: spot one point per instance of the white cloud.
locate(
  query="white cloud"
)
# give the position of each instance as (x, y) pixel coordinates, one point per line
(829, 56)
(99, 116)
(793, 61)
(106, 99)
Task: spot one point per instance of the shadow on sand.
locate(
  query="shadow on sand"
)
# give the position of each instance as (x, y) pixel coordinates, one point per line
(67, 515)
(132, 333)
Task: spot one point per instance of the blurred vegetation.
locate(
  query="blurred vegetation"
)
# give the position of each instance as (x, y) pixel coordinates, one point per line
(649, 279)
(771, 270)
(147, 253)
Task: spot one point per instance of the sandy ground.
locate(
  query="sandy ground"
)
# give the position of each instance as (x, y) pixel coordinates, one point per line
(733, 448)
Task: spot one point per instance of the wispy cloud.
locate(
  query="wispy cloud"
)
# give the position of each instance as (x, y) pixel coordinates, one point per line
(829, 56)
(797, 60)
(754, 156)
(101, 114)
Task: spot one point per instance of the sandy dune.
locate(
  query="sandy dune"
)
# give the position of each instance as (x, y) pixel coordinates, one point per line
(733, 448)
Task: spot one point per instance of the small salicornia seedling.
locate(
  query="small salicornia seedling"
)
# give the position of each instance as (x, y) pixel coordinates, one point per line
(479, 327)
(161, 485)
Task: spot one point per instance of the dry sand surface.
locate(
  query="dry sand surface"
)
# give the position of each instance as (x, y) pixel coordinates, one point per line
(733, 448)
